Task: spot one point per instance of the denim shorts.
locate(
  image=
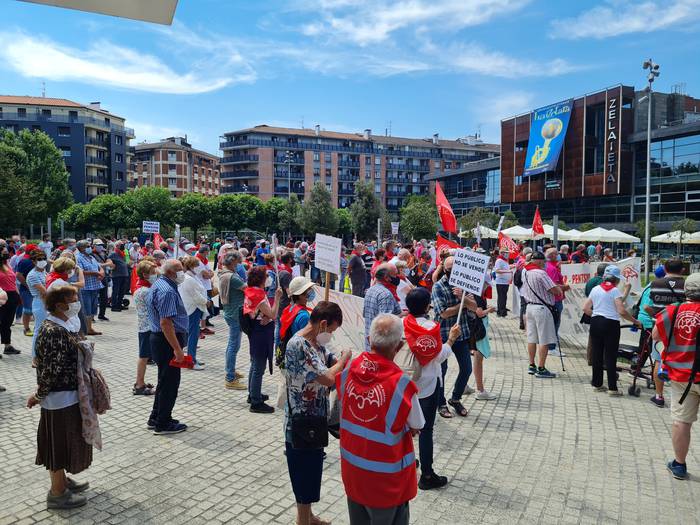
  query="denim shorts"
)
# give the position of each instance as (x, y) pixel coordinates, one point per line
(145, 345)
(27, 299)
(88, 298)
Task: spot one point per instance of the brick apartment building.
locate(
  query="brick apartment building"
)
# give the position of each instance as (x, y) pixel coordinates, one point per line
(174, 164)
(274, 162)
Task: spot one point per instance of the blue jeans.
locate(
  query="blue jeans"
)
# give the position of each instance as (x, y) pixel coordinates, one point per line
(464, 360)
(193, 333)
(234, 344)
(255, 377)
(559, 305)
(429, 406)
(39, 312)
(261, 339)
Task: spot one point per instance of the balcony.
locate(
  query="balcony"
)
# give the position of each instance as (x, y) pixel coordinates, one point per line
(239, 159)
(96, 161)
(240, 188)
(299, 161)
(398, 180)
(96, 180)
(349, 192)
(283, 192)
(238, 174)
(284, 175)
(349, 178)
(349, 163)
(33, 117)
(395, 193)
(248, 142)
(98, 143)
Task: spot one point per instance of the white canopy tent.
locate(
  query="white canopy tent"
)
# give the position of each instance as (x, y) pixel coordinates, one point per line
(598, 234)
(625, 237)
(569, 235)
(486, 233)
(519, 233)
(674, 237)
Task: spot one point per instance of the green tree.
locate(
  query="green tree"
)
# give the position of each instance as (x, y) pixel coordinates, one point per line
(17, 193)
(510, 219)
(105, 213)
(419, 218)
(148, 204)
(586, 226)
(344, 222)
(365, 211)
(640, 229)
(271, 212)
(686, 226)
(317, 212)
(480, 216)
(290, 216)
(235, 212)
(75, 217)
(192, 210)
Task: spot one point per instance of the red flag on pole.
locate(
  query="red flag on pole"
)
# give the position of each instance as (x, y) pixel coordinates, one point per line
(445, 243)
(157, 239)
(447, 216)
(537, 227)
(506, 243)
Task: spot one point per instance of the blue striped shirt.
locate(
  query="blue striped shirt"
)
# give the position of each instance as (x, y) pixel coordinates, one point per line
(164, 302)
(89, 264)
(33, 278)
(443, 298)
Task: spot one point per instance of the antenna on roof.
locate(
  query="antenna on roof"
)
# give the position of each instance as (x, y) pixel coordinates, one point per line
(43, 89)
(302, 122)
(390, 128)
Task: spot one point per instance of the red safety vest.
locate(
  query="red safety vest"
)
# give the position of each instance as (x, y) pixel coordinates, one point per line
(288, 316)
(680, 354)
(378, 463)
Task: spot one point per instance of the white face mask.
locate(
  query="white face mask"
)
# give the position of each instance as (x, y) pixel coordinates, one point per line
(73, 309)
(324, 338)
(180, 277)
(41, 264)
(268, 282)
(152, 278)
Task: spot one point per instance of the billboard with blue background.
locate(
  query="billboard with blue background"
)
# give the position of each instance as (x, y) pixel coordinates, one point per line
(547, 131)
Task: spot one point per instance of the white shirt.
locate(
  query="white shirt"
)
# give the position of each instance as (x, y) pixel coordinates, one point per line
(193, 294)
(206, 283)
(415, 419)
(604, 302)
(432, 372)
(67, 398)
(502, 278)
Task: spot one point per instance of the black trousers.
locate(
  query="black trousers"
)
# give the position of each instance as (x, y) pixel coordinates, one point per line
(119, 285)
(7, 315)
(358, 287)
(429, 406)
(502, 290)
(168, 379)
(605, 341)
(103, 299)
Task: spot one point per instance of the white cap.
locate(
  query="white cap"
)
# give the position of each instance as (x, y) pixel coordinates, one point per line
(299, 285)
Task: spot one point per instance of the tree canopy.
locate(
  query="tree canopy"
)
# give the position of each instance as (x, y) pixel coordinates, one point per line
(365, 210)
(317, 212)
(419, 217)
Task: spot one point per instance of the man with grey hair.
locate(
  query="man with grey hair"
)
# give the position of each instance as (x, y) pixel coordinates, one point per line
(553, 269)
(380, 414)
(382, 297)
(93, 283)
(231, 288)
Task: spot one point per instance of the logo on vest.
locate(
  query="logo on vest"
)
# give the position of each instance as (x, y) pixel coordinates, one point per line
(365, 406)
(426, 344)
(686, 323)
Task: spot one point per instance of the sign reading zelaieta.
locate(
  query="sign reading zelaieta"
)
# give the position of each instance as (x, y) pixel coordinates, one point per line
(611, 139)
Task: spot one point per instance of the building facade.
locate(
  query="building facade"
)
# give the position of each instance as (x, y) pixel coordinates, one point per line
(275, 162)
(174, 164)
(600, 176)
(94, 143)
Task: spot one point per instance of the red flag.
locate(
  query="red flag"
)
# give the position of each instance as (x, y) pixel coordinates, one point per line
(447, 216)
(506, 243)
(157, 239)
(445, 243)
(537, 227)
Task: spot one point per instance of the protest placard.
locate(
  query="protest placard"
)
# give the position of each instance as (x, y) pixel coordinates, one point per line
(394, 228)
(327, 256)
(469, 271)
(150, 227)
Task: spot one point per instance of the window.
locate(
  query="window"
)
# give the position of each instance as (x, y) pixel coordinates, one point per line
(65, 151)
(377, 188)
(328, 186)
(119, 140)
(172, 181)
(45, 112)
(21, 112)
(172, 156)
(368, 174)
(475, 184)
(118, 157)
(317, 172)
(317, 157)
(172, 168)
(692, 196)
(654, 198)
(377, 161)
(436, 164)
(327, 157)
(73, 115)
(120, 175)
(63, 131)
(377, 174)
(328, 172)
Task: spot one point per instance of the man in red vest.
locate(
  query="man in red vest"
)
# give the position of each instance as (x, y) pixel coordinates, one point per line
(678, 327)
(380, 414)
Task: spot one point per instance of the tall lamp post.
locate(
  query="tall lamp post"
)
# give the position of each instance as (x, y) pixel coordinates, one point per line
(288, 158)
(653, 73)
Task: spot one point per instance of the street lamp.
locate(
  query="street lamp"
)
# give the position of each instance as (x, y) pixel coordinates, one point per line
(653, 73)
(288, 158)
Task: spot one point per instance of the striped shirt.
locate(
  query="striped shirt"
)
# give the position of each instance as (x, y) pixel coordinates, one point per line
(164, 302)
(89, 264)
(34, 278)
(443, 298)
(536, 286)
(378, 300)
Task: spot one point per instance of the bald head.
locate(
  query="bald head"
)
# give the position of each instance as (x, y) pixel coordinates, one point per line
(385, 271)
(449, 263)
(404, 255)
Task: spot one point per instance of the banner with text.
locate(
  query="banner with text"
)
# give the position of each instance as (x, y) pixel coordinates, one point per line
(327, 255)
(469, 271)
(547, 131)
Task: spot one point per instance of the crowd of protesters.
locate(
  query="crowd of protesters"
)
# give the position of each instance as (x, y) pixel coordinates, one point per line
(412, 314)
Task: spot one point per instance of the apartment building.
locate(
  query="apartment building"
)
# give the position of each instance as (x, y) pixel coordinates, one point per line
(276, 162)
(94, 142)
(174, 164)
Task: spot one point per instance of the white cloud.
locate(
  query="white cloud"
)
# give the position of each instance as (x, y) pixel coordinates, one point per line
(620, 17)
(147, 132)
(366, 22)
(108, 64)
(490, 109)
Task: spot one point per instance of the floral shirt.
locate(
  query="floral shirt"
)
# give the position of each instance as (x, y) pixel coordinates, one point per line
(303, 364)
(141, 302)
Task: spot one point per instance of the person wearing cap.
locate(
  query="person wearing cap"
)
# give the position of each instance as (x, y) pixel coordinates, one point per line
(231, 294)
(677, 328)
(606, 305)
(100, 254)
(295, 315)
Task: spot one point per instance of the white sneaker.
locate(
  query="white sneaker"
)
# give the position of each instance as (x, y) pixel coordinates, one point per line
(198, 366)
(469, 390)
(556, 353)
(484, 395)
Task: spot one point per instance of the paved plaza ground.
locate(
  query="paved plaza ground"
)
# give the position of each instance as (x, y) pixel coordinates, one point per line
(546, 451)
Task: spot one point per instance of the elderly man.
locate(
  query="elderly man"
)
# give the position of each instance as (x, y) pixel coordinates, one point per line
(357, 270)
(678, 328)
(564, 253)
(403, 255)
(93, 283)
(231, 288)
(169, 324)
(541, 293)
(553, 269)
(381, 298)
(380, 415)
(446, 302)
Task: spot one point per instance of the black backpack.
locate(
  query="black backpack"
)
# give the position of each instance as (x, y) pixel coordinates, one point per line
(245, 322)
(518, 278)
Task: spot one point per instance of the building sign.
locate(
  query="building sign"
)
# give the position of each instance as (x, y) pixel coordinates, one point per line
(547, 131)
(554, 184)
(612, 139)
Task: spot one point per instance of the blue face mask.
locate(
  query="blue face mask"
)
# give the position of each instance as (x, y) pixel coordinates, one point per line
(88, 250)
(311, 296)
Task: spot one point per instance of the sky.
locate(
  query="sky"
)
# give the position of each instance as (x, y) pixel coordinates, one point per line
(411, 68)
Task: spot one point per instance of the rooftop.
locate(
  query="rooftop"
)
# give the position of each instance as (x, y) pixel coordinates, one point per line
(170, 143)
(51, 102)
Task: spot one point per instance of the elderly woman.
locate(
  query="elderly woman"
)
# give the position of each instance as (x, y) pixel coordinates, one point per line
(147, 273)
(261, 337)
(8, 283)
(61, 446)
(231, 288)
(310, 370)
(194, 297)
(606, 305)
(36, 282)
